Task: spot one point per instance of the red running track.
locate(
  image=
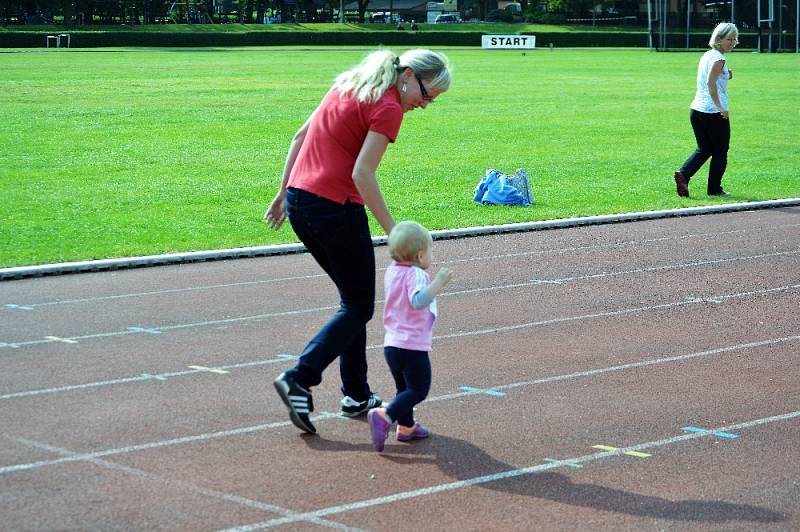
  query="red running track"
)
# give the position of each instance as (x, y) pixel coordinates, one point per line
(637, 376)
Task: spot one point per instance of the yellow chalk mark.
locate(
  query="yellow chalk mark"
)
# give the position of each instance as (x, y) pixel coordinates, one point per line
(637, 454)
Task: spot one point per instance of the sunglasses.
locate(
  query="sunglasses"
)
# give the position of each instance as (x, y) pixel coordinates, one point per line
(423, 90)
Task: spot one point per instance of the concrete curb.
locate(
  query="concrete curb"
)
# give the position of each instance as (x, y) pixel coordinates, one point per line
(283, 249)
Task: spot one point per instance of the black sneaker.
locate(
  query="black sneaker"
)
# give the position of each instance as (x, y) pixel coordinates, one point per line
(299, 401)
(353, 408)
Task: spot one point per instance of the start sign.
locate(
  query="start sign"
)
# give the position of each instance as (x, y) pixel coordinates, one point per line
(508, 41)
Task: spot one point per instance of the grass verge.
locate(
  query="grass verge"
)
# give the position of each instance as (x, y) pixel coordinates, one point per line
(111, 154)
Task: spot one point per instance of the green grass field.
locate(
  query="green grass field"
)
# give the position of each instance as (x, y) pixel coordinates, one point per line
(123, 153)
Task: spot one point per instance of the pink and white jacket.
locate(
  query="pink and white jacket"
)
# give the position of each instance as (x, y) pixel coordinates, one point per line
(407, 327)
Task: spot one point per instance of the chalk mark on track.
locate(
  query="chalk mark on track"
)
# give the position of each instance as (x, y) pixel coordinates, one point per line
(475, 481)
(535, 282)
(329, 415)
(187, 486)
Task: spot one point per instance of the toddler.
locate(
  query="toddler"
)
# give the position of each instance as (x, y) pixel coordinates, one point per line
(408, 316)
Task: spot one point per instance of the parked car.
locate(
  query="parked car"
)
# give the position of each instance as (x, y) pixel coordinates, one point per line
(446, 18)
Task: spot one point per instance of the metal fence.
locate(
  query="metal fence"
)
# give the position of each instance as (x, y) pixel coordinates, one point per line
(766, 25)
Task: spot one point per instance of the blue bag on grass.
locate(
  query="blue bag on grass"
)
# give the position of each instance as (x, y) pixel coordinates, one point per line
(497, 188)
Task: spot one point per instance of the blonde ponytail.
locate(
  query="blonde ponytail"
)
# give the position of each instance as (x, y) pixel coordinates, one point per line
(369, 79)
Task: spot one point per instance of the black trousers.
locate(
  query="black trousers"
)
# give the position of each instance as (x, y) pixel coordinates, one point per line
(713, 134)
(338, 238)
(411, 371)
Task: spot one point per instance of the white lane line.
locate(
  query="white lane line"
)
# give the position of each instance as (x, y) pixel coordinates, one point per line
(257, 317)
(144, 377)
(636, 271)
(218, 371)
(329, 415)
(592, 247)
(535, 282)
(439, 488)
(621, 367)
(187, 486)
(82, 457)
(471, 259)
(175, 290)
(612, 313)
(496, 330)
(59, 339)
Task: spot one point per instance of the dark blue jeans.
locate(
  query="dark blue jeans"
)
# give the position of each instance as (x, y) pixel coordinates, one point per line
(338, 238)
(713, 135)
(412, 376)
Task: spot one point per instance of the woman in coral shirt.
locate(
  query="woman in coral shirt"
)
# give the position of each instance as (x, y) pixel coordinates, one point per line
(328, 179)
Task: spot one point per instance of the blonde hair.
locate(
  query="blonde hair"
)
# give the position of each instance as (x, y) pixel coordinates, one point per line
(368, 80)
(721, 32)
(407, 240)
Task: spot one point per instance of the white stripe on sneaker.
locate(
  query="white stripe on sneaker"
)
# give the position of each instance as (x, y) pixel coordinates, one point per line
(299, 403)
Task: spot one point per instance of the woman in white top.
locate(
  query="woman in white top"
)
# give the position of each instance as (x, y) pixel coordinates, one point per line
(709, 114)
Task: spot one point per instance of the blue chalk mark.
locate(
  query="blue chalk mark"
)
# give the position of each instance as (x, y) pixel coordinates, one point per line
(719, 433)
(487, 392)
(18, 307)
(144, 330)
(693, 429)
(284, 356)
(157, 377)
(3, 344)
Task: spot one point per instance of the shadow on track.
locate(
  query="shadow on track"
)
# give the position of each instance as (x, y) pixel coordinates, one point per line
(462, 460)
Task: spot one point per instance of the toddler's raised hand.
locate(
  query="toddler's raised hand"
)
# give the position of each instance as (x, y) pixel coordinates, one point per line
(444, 276)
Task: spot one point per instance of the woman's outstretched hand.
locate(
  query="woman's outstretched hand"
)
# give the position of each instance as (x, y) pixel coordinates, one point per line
(276, 213)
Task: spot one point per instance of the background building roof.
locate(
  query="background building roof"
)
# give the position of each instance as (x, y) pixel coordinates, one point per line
(383, 5)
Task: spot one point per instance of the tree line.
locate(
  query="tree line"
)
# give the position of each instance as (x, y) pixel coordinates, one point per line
(131, 12)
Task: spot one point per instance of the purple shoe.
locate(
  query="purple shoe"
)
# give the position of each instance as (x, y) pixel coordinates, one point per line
(379, 428)
(418, 433)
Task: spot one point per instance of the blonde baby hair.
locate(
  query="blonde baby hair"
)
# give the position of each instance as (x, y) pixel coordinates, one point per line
(407, 240)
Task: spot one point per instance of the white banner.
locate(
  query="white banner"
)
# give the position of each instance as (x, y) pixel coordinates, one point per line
(508, 41)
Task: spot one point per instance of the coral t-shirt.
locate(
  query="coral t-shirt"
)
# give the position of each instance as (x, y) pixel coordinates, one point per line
(324, 165)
